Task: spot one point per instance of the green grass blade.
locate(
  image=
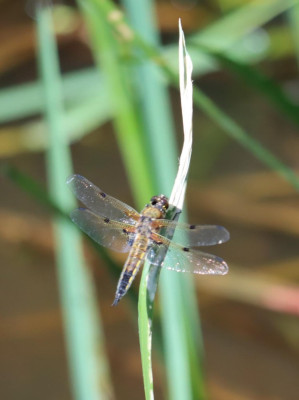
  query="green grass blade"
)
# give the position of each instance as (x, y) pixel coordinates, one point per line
(30, 186)
(160, 134)
(237, 133)
(80, 120)
(145, 323)
(25, 100)
(87, 361)
(261, 82)
(236, 24)
(293, 15)
(156, 113)
(128, 128)
(83, 118)
(20, 101)
(154, 100)
(127, 124)
(227, 34)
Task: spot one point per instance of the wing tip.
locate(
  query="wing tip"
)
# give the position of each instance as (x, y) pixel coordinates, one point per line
(72, 177)
(223, 269)
(226, 232)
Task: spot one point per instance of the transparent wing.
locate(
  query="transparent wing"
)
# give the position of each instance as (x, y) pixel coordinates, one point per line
(194, 235)
(184, 259)
(118, 236)
(99, 202)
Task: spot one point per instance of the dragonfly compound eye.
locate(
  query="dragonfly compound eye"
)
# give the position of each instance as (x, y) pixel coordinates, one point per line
(164, 202)
(154, 200)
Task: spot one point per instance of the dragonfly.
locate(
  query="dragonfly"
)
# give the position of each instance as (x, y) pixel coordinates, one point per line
(117, 226)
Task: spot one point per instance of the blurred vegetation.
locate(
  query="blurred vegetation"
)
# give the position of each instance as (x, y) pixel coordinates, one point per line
(122, 67)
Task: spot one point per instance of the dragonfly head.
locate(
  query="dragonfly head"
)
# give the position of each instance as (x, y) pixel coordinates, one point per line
(160, 202)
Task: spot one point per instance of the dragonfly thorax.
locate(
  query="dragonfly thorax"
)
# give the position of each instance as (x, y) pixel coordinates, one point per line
(157, 207)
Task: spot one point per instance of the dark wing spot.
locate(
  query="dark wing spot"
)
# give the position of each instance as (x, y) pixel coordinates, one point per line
(103, 194)
(191, 226)
(125, 231)
(158, 243)
(106, 220)
(186, 249)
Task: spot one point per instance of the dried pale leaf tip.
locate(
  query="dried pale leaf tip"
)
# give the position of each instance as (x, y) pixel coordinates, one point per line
(186, 92)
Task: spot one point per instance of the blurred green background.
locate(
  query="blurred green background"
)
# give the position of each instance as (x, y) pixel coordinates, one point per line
(243, 176)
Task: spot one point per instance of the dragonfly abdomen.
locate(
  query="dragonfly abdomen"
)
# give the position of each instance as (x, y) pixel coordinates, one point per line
(134, 261)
